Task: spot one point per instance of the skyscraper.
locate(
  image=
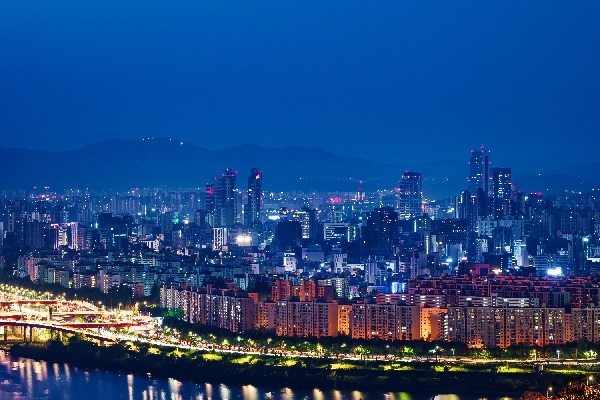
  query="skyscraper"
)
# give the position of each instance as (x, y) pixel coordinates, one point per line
(210, 198)
(225, 200)
(410, 195)
(465, 209)
(254, 205)
(381, 230)
(501, 190)
(479, 171)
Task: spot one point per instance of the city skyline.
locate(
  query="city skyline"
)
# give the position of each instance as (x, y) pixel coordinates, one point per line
(394, 195)
(123, 164)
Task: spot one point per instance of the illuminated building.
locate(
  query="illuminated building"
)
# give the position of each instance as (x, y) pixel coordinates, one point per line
(479, 178)
(410, 195)
(490, 327)
(225, 309)
(315, 318)
(252, 213)
(479, 171)
(265, 314)
(385, 321)
(225, 200)
(345, 317)
(432, 323)
(501, 191)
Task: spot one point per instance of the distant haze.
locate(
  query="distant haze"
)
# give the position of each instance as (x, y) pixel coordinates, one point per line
(123, 164)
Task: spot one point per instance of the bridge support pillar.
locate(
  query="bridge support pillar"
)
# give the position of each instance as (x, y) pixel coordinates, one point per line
(24, 333)
(31, 333)
(5, 334)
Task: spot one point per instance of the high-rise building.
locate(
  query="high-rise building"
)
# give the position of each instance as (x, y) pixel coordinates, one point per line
(308, 219)
(225, 200)
(501, 191)
(464, 208)
(479, 171)
(410, 195)
(209, 202)
(381, 230)
(501, 183)
(17, 210)
(254, 205)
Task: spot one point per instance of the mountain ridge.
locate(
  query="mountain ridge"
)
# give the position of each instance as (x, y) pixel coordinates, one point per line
(156, 162)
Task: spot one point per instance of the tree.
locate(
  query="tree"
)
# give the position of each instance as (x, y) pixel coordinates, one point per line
(175, 313)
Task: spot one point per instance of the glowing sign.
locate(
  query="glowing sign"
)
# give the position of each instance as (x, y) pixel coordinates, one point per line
(554, 271)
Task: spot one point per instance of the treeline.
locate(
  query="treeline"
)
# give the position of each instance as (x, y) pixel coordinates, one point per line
(329, 346)
(239, 369)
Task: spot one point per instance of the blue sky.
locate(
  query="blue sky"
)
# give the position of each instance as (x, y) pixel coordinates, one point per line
(393, 81)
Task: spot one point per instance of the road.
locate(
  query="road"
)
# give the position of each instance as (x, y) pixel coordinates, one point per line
(144, 329)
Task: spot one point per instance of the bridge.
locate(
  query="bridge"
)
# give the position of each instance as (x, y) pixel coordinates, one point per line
(23, 314)
(8, 303)
(47, 302)
(73, 327)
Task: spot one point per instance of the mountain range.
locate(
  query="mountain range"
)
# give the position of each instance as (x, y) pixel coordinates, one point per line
(155, 162)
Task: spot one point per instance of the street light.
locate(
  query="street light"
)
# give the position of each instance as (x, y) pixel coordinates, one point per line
(548, 391)
(558, 354)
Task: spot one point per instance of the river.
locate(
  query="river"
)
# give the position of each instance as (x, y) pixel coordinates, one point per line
(22, 378)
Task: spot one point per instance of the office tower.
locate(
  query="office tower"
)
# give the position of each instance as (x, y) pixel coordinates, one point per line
(501, 183)
(463, 207)
(254, 205)
(410, 195)
(17, 218)
(381, 231)
(501, 191)
(308, 219)
(225, 200)
(288, 234)
(210, 198)
(479, 171)
(210, 204)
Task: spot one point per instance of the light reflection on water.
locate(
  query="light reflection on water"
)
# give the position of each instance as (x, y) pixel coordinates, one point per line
(22, 379)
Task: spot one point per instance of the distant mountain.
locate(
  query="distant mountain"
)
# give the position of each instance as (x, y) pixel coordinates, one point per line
(553, 184)
(165, 162)
(576, 178)
(122, 164)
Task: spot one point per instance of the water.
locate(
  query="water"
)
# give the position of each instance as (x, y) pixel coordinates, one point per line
(22, 378)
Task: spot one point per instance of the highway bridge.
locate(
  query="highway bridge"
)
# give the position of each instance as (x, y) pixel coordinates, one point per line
(68, 327)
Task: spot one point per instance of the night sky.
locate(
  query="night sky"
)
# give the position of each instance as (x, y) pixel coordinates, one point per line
(394, 81)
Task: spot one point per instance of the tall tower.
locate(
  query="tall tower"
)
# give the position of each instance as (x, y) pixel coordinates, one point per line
(381, 230)
(254, 207)
(410, 195)
(225, 200)
(501, 190)
(479, 178)
(210, 204)
(463, 206)
(479, 171)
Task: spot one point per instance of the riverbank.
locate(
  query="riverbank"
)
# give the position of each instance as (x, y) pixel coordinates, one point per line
(323, 373)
